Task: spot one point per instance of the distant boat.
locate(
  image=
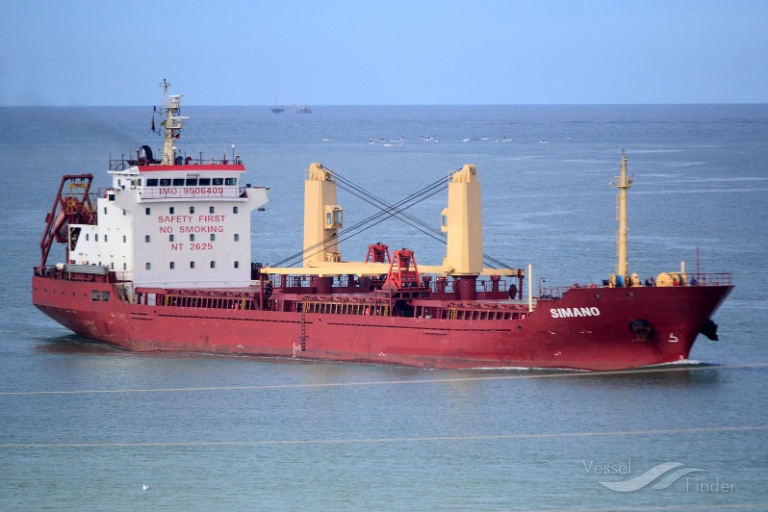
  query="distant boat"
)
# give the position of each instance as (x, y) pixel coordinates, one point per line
(300, 109)
(277, 109)
(387, 143)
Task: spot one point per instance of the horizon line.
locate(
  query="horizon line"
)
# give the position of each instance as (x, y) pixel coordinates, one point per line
(324, 105)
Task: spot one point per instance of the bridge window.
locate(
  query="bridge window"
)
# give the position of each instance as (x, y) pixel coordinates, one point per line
(152, 182)
(191, 182)
(230, 181)
(218, 181)
(178, 182)
(205, 182)
(165, 182)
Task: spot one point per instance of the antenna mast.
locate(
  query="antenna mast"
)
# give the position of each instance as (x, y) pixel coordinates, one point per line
(622, 183)
(172, 123)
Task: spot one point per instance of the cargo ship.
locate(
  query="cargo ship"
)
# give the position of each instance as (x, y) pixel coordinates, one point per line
(160, 260)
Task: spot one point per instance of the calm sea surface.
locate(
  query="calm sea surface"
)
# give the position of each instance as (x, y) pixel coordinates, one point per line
(85, 427)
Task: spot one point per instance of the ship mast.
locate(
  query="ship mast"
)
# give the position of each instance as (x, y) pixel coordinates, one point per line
(172, 123)
(622, 183)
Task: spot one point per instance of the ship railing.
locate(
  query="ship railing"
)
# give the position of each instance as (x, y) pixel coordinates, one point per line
(678, 279)
(126, 163)
(551, 293)
(300, 281)
(707, 278)
(118, 165)
(481, 285)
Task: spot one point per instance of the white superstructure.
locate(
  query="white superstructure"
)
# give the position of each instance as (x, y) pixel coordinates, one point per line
(174, 222)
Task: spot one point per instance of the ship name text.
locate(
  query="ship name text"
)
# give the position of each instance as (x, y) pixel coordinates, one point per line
(574, 312)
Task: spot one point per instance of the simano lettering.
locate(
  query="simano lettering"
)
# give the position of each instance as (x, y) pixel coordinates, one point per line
(573, 312)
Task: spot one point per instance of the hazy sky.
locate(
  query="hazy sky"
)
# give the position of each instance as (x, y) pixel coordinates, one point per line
(386, 52)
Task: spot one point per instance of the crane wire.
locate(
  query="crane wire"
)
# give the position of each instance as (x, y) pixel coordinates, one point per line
(378, 217)
(386, 211)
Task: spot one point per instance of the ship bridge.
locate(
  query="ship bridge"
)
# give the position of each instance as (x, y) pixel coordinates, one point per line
(173, 221)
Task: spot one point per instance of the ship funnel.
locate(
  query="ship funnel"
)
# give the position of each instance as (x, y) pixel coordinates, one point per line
(462, 221)
(322, 217)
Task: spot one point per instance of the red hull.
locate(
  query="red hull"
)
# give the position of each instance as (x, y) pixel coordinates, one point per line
(598, 339)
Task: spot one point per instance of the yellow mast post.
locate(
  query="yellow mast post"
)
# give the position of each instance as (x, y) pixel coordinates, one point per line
(622, 183)
(462, 221)
(323, 217)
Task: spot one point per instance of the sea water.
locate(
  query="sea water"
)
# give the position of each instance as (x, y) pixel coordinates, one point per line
(85, 426)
